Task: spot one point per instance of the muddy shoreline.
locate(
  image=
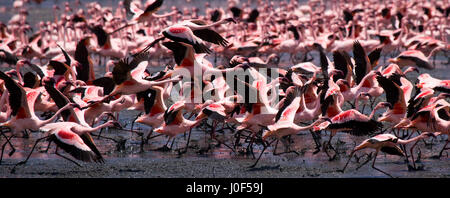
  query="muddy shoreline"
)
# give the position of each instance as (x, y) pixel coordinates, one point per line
(220, 163)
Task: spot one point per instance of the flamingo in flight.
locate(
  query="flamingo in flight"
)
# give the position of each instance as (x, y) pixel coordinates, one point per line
(386, 143)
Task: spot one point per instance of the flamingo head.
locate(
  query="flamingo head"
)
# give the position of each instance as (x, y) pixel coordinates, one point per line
(322, 124)
(404, 123)
(393, 60)
(114, 124)
(411, 69)
(273, 59)
(159, 130)
(266, 132)
(429, 134)
(231, 19)
(384, 104)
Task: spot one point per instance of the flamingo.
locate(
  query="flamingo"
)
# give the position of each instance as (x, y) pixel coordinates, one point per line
(284, 121)
(414, 58)
(69, 137)
(175, 123)
(386, 143)
(351, 121)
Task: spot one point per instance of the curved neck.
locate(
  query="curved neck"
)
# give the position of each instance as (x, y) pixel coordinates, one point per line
(419, 137)
(431, 53)
(44, 122)
(300, 128)
(93, 129)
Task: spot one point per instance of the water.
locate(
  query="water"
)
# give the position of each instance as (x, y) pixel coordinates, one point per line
(44, 11)
(200, 140)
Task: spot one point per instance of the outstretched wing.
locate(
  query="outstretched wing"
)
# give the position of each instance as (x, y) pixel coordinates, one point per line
(106, 82)
(17, 96)
(154, 6)
(210, 36)
(391, 89)
(361, 62)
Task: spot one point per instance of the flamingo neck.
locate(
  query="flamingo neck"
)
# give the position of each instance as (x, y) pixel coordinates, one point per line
(93, 129)
(419, 137)
(42, 123)
(300, 128)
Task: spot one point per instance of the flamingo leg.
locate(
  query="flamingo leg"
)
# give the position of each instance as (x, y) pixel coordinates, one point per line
(13, 170)
(58, 154)
(275, 148)
(10, 144)
(100, 133)
(221, 142)
(316, 141)
(262, 152)
(412, 155)
(134, 120)
(328, 145)
(443, 149)
(4, 146)
(351, 155)
(171, 144)
(48, 147)
(149, 136)
(238, 138)
(187, 143)
(25, 133)
(369, 157)
(287, 149)
(373, 165)
(165, 147)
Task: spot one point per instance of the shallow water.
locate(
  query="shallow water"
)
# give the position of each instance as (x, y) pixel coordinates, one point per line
(217, 160)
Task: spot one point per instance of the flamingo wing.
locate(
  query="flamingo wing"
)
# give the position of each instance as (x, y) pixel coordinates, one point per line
(82, 57)
(59, 99)
(30, 80)
(173, 115)
(253, 16)
(149, 97)
(216, 15)
(106, 82)
(66, 56)
(139, 71)
(361, 61)
(236, 12)
(154, 6)
(59, 67)
(17, 97)
(37, 69)
(392, 90)
(121, 71)
(184, 34)
(418, 61)
(87, 139)
(178, 50)
(374, 56)
(340, 63)
(215, 111)
(210, 36)
(8, 58)
(392, 150)
(100, 33)
(290, 105)
(73, 144)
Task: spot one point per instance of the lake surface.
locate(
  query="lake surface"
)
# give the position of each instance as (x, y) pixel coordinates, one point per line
(218, 161)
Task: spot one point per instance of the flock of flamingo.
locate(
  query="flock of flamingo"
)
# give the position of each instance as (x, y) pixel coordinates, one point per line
(51, 71)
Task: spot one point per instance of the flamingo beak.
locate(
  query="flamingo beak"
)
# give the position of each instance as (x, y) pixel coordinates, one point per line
(231, 19)
(392, 60)
(159, 130)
